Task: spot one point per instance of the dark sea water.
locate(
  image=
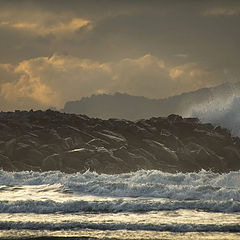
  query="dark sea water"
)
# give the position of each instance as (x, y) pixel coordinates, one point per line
(138, 205)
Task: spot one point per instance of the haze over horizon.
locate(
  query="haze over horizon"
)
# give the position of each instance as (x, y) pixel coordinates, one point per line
(56, 51)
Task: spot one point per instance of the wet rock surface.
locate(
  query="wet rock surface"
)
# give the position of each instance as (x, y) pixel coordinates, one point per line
(50, 140)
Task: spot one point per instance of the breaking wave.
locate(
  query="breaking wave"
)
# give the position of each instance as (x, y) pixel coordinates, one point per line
(115, 206)
(119, 226)
(223, 113)
(145, 190)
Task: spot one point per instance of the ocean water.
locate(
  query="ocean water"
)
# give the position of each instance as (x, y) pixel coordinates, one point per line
(139, 205)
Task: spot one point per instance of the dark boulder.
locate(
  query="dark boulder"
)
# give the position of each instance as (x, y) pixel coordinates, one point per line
(231, 157)
(10, 147)
(50, 140)
(6, 164)
(52, 162)
(161, 152)
(97, 142)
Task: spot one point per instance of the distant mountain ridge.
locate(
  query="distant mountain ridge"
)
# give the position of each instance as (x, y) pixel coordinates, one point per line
(121, 105)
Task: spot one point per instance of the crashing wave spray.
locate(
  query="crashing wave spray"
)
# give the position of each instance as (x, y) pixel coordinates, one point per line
(222, 110)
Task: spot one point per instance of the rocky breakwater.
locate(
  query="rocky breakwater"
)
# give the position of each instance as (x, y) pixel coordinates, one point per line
(50, 140)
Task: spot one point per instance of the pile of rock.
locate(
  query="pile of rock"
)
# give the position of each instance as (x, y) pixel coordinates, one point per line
(50, 140)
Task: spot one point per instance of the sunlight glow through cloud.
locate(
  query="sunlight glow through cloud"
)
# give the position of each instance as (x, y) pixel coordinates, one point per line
(50, 81)
(43, 29)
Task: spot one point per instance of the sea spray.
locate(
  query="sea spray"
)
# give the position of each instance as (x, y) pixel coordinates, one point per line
(223, 113)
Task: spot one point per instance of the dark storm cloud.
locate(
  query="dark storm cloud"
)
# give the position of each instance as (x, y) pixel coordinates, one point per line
(132, 28)
(196, 40)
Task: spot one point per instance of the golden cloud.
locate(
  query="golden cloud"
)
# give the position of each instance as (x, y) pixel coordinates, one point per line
(42, 28)
(55, 80)
(6, 67)
(31, 88)
(175, 72)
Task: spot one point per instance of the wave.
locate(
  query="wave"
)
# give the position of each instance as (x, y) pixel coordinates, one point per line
(224, 113)
(115, 206)
(118, 226)
(204, 185)
(203, 177)
(145, 190)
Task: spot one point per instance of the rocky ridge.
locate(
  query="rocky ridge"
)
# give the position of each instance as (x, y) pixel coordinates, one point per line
(122, 105)
(50, 140)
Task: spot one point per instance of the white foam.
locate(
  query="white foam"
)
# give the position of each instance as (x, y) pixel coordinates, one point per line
(224, 113)
(115, 206)
(139, 191)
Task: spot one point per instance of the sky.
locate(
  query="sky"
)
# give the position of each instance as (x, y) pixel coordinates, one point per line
(55, 51)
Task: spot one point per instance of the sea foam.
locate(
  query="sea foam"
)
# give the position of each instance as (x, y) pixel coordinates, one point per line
(138, 191)
(223, 113)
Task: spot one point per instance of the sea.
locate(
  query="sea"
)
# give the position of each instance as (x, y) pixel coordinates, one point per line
(147, 204)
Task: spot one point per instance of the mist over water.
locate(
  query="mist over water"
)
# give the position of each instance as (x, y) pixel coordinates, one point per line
(223, 112)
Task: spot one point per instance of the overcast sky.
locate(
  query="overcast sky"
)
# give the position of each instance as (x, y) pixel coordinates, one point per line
(53, 51)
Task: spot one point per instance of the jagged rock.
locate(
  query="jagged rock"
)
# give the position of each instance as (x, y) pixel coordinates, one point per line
(170, 140)
(10, 147)
(232, 157)
(30, 139)
(134, 161)
(97, 142)
(52, 162)
(2, 146)
(109, 163)
(161, 152)
(182, 128)
(192, 120)
(75, 158)
(51, 140)
(215, 141)
(20, 166)
(122, 153)
(188, 162)
(53, 136)
(205, 126)
(69, 144)
(138, 130)
(6, 164)
(26, 154)
(4, 132)
(175, 118)
(205, 158)
(49, 149)
(34, 157)
(160, 123)
(21, 151)
(77, 134)
(115, 140)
